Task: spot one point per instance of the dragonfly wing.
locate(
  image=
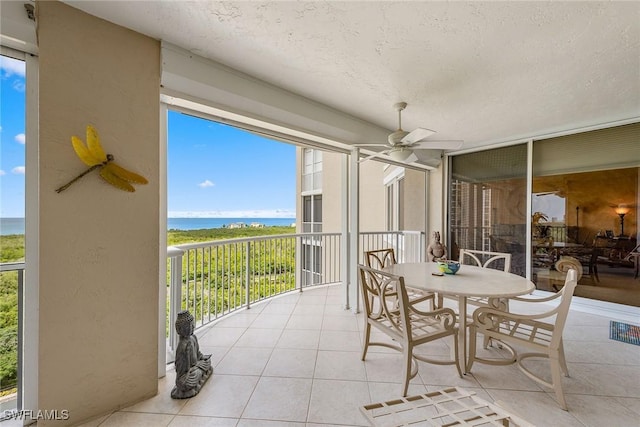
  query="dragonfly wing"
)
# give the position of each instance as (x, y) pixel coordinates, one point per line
(108, 175)
(93, 143)
(82, 152)
(126, 175)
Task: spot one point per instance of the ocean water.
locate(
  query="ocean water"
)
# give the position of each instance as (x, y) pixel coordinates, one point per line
(198, 223)
(11, 226)
(16, 225)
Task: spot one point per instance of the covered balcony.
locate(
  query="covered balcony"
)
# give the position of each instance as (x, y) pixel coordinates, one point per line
(491, 74)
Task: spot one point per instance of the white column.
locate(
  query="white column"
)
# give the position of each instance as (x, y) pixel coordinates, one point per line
(354, 229)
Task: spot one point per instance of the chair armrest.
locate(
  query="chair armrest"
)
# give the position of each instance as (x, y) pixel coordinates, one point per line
(483, 313)
(537, 299)
(448, 314)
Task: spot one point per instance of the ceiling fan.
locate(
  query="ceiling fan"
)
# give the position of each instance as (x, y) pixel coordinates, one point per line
(401, 144)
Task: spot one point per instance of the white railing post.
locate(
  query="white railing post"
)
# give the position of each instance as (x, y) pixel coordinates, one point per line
(175, 294)
(299, 262)
(247, 273)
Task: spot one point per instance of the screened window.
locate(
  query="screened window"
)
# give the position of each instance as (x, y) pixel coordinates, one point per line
(488, 209)
(394, 195)
(312, 170)
(312, 213)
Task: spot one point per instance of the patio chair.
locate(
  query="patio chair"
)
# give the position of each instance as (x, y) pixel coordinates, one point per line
(388, 310)
(381, 258)
(484, 259)
(541, 332)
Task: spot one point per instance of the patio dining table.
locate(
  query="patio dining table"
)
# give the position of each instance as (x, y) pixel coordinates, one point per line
(469, 281)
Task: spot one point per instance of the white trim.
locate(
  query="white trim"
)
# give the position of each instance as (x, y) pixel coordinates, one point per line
(31, 332)
(354, 229)
(344, 242)
(528, 261)
(162, 221)
(394, 175)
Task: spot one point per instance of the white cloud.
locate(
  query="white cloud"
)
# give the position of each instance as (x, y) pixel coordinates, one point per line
(206, 183)
(255, 213)
(10, 66)
(18, 170)
(2, 172)
(20, 138)
(18, 85)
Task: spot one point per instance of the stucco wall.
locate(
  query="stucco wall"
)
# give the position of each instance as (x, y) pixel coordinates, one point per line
(415, 199)
(331, 192)
(99, 246)
(372, 197)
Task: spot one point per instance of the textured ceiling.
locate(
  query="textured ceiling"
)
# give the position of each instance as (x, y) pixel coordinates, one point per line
(483, 72)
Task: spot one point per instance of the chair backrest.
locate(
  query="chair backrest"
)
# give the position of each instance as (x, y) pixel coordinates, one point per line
(380, 258)
(565, 263)
(562, 309)
(486, 259)
(385, 301)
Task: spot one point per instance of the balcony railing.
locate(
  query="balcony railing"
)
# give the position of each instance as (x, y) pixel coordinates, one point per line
(213, 279)
(12, 274)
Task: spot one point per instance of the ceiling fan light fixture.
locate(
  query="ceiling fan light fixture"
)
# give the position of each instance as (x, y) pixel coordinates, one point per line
(400, 155)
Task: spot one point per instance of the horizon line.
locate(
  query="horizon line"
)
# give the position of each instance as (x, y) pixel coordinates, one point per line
(254, 213)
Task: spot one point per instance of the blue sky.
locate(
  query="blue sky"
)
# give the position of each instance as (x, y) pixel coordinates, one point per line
(12, 127)
(214, 170)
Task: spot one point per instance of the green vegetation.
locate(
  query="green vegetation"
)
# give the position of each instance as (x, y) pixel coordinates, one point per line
(12, 250)
(217, 279)
(178, 237)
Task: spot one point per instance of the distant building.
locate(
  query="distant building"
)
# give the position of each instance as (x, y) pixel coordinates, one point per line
(256, 225)
(237, 225)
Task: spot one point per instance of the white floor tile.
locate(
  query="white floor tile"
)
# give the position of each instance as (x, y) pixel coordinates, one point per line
(338, 402)
(291, 363)
(222, 396)
(281, 399)
(295, 361)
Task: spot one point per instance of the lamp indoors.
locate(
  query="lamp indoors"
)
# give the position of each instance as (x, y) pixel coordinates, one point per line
(622, 210)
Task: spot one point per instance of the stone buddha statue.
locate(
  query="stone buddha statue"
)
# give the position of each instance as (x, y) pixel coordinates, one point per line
(192, 367)
(436, 250)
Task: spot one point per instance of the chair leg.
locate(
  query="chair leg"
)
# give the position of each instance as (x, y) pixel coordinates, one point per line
(556, 380)
(407, 355)
(472, 348)
(367, 337)
(562, 360)
(456, 352)
(486, 342)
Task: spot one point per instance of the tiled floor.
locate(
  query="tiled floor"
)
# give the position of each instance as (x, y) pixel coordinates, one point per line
(295, 361)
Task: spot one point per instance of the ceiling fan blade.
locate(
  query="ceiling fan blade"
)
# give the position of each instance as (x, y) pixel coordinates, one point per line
(442, 145)
(416, 135)
(371, 145)
(382, 153)
(412, 158)
(403, 155)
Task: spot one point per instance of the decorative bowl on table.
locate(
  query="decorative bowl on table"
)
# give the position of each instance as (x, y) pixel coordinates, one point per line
(449, 267)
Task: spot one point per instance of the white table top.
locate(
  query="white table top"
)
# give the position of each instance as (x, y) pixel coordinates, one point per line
(468, 281)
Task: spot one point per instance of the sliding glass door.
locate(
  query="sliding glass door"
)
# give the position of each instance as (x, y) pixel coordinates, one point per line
(487, 203)
(584, 206)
